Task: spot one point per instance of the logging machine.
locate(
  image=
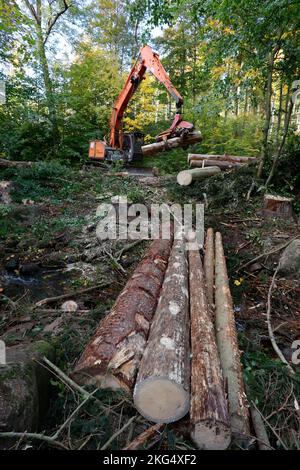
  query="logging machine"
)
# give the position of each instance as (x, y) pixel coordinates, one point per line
(128, 146)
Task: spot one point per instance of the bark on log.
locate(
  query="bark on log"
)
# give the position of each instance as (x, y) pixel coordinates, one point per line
(161, 393)
(223, 165)
(112, 357)
(228, 349)
(186, 177)
(278, 206)
(225, 157)
(209, 408)
(158, 147)
(12, 164)
(209, 268)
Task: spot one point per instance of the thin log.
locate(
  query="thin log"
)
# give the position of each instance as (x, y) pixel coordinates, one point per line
(209, 268)
(164, 146)
(260, 430)
(14, 164)
(225, 157)
(162, 390)
(209, 408)
(187, 177)
(222, 164)
(145, 436)
(228, 349)
(112, 356)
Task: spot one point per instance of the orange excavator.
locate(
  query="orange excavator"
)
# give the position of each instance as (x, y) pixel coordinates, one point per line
(128, 146)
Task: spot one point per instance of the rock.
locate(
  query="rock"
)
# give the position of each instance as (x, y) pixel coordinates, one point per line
(289, 263)
(24, 388)
(69, 306)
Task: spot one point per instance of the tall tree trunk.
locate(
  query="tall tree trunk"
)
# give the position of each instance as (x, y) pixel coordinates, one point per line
(47, 82)
(268, 98)
(281, 145)
(279, 113)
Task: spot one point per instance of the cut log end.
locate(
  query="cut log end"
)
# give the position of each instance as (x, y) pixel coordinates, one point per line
(160, 400)
(211, 436)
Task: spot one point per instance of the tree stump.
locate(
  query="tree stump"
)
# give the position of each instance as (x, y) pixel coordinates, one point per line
(278, 206)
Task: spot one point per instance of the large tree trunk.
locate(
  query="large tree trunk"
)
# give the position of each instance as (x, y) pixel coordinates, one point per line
(223, 165)
(158, 147)
(162, 388)
(228, 349)
(186, 177)
(225, 158)
(112, 357)
(268, 99)
(209, 407)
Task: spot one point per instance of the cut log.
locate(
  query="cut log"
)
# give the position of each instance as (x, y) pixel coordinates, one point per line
(278, 206)
(186, 177)
(111, 358)
(209, 268)
(209, 408)
(222, 164)
(14, 164)
(228, 349)
(161, 393)
(158, 147)
(225, 157)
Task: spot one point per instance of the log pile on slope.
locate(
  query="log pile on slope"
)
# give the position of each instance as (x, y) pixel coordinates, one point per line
(224, 162)
(168, 376)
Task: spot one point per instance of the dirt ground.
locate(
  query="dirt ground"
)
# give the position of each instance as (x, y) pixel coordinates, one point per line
(48, 247)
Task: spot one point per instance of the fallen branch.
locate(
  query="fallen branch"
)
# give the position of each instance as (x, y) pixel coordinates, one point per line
(260, 430)
(271, 334)
(116, 434)
(126, 248)
(271, 427)
(52, 440)
(144, 437)
(49, 300)
(267, 253)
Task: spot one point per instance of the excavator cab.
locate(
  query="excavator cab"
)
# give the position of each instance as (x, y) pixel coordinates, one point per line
(132, 146)
(131, 149)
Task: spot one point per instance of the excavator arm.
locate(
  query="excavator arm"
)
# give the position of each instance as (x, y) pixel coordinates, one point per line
(147, 60)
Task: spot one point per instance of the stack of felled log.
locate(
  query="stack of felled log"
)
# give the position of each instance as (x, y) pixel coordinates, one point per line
(170, 341)
(203, 166)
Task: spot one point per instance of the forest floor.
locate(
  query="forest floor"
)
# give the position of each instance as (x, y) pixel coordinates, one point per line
(48, 247)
